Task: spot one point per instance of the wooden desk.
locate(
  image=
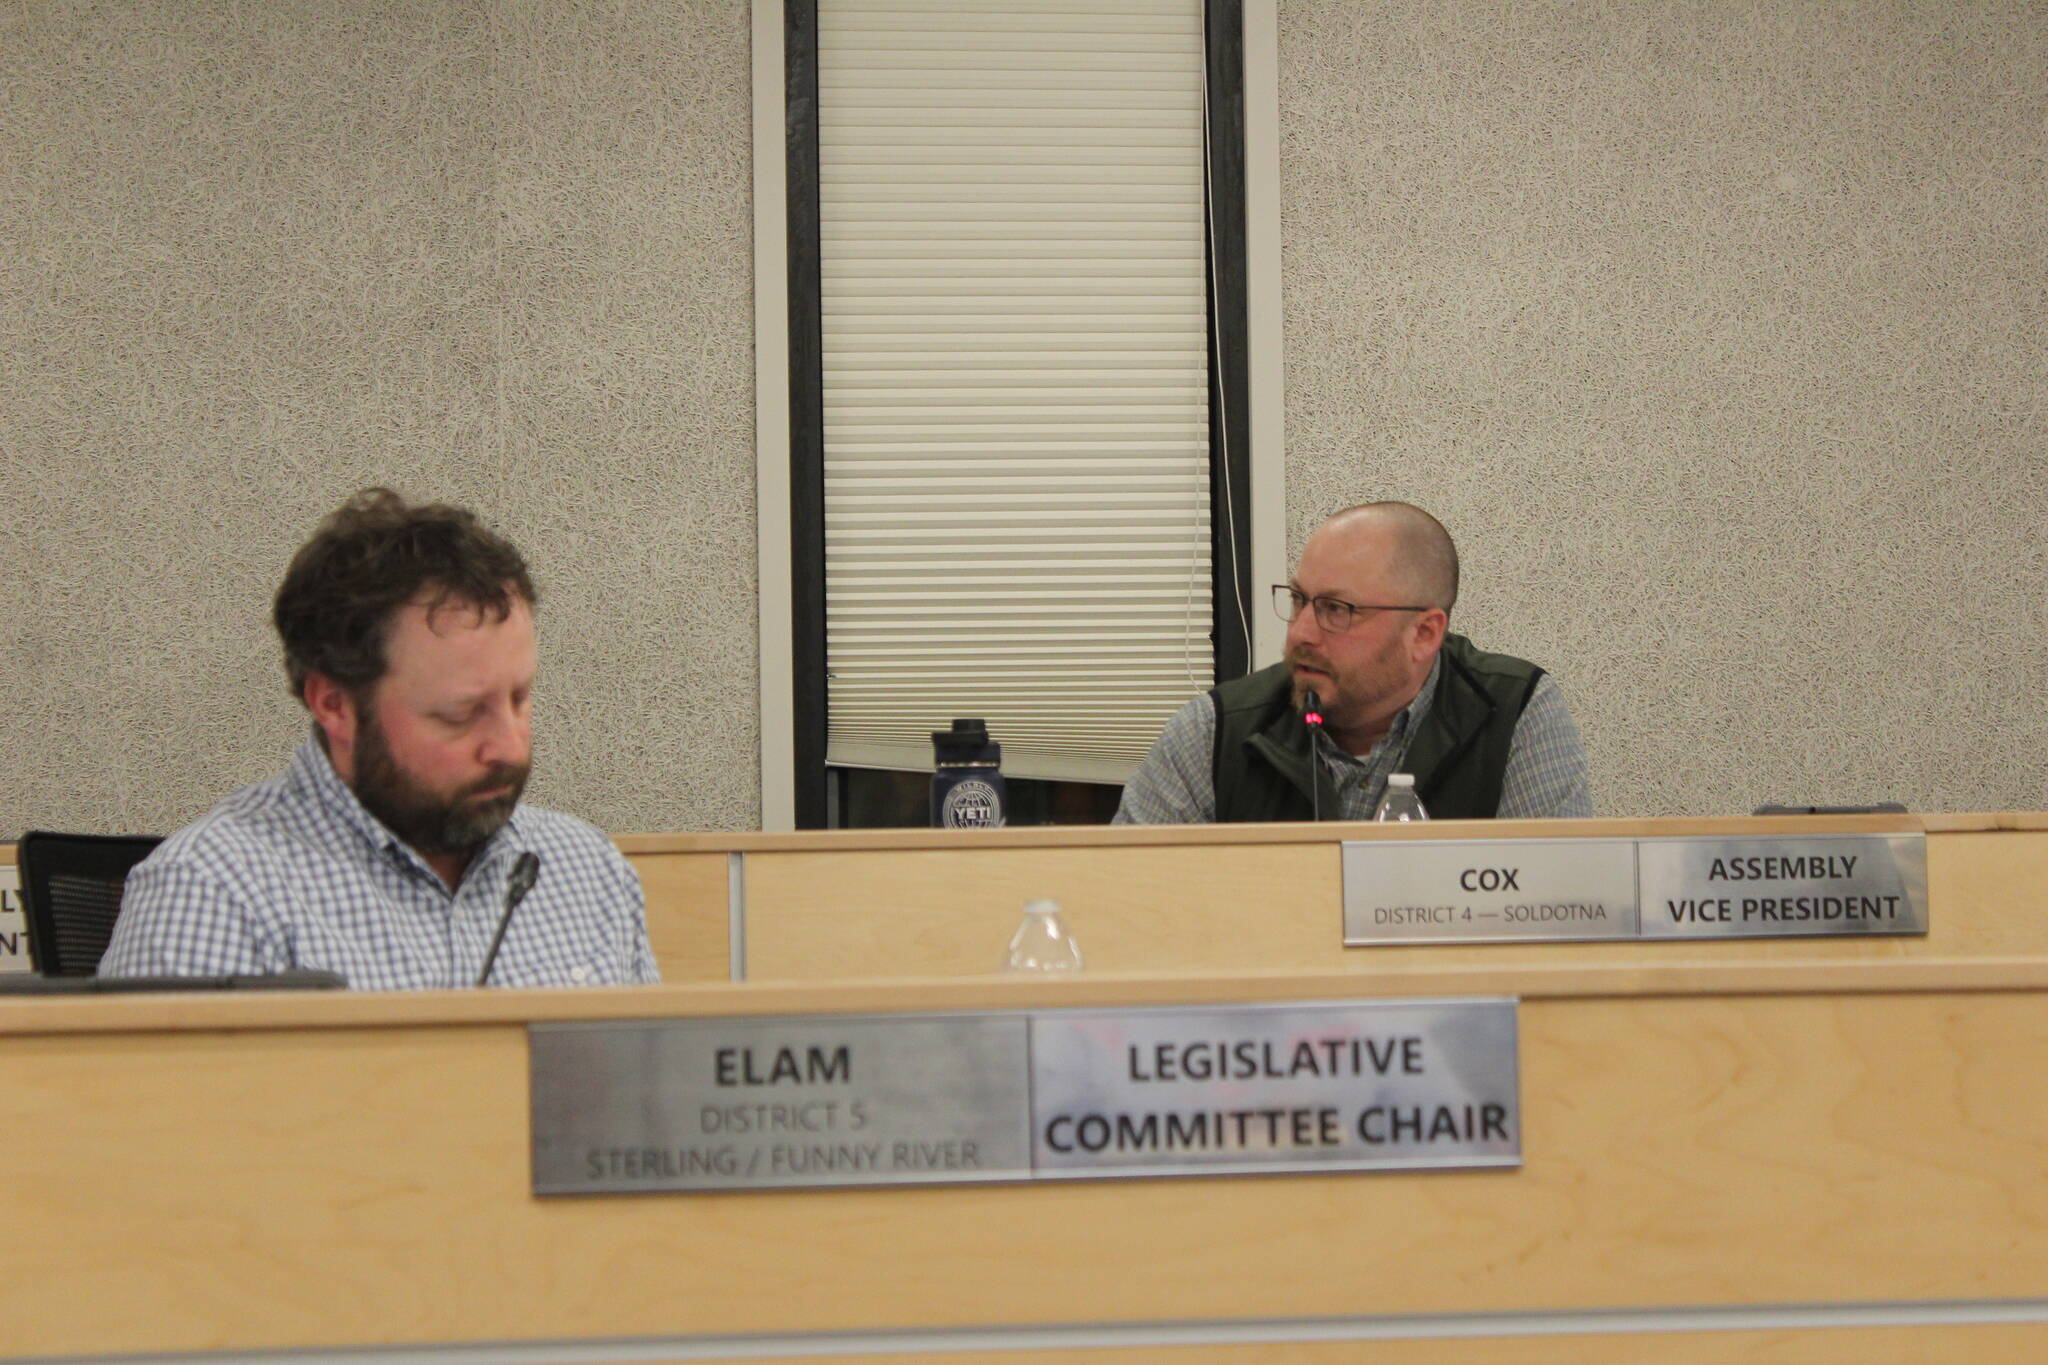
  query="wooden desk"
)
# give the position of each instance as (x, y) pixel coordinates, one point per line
(853, 904)
(848, 905)
(1719, 1157)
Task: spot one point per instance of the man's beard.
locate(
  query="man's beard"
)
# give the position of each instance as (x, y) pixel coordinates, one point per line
(460, 824)
(1347, 699)
(1325, 688)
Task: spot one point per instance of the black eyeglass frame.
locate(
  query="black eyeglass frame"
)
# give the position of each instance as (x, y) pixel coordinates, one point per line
(1288, 601)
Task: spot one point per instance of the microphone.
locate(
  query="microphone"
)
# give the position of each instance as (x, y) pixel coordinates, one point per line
(1312, 717)
(525, 873)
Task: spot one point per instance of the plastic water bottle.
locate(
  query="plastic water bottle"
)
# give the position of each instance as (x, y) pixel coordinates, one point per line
(1400, 802)
(1042, 943)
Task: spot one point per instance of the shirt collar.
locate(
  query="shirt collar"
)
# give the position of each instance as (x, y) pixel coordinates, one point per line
(313, 771)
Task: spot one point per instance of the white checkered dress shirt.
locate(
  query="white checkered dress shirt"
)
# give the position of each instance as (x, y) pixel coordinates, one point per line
(293, 872)
(1546, 773)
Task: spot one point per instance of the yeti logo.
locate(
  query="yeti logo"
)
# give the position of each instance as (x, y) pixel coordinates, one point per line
(971, 804)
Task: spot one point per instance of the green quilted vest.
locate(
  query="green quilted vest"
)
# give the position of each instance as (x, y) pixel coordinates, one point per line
(1459, 753)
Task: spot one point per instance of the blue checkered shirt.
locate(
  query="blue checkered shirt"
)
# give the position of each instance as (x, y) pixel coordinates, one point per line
(1546, 774)
(293, 872)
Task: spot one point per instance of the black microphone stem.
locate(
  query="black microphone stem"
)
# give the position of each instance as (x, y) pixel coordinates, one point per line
(525, 873)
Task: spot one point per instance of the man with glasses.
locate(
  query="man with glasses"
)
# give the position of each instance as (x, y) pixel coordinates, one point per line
(1486, 735)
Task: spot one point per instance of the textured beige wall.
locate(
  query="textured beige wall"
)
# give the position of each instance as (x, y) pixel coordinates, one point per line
(1718, 333)
(253, 256)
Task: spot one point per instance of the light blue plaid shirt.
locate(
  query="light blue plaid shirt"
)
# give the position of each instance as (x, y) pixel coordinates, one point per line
(293, 872)
(1546, 775)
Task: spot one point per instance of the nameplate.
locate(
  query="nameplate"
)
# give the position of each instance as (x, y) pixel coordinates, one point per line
(1762, 888)
(731, 1104)
(1382, 1085)
(1436, 891)
(1007, 1096)
(1508, 890)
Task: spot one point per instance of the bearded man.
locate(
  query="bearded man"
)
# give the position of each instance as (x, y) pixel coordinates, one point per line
(389, 847)
(1368, 613)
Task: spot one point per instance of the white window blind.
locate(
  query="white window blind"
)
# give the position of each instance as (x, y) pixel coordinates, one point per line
(1015, 376)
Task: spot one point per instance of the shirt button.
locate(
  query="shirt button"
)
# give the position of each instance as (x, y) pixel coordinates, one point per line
(579, 973)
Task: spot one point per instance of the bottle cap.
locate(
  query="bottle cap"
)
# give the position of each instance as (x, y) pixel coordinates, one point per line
(1400, 779)
(966, 743)
(1041, 907)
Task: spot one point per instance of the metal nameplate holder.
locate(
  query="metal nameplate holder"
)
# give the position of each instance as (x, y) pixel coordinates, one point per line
(1008, 1096)
(1681, 887)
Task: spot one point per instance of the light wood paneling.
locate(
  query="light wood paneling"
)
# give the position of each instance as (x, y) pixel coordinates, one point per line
(241, 1011)
(1219, 905)
(262, 1185)
(688, 915)
(1034, 836)
(831, 915)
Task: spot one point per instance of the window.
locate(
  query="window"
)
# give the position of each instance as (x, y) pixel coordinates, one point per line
(1018, 428)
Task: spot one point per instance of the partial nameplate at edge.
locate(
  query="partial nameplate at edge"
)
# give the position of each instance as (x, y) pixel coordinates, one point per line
(785, 1102)
(13, 929)
(1819, 885)
(1488, 890)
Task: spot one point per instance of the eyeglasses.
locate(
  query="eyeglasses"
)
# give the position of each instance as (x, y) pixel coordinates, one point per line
(1333, 614)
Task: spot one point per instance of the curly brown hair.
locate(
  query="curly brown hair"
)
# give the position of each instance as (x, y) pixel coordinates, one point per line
(369, 558)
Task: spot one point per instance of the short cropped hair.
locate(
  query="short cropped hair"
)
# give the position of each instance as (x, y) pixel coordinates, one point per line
(369, 558)
(1428, 557)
